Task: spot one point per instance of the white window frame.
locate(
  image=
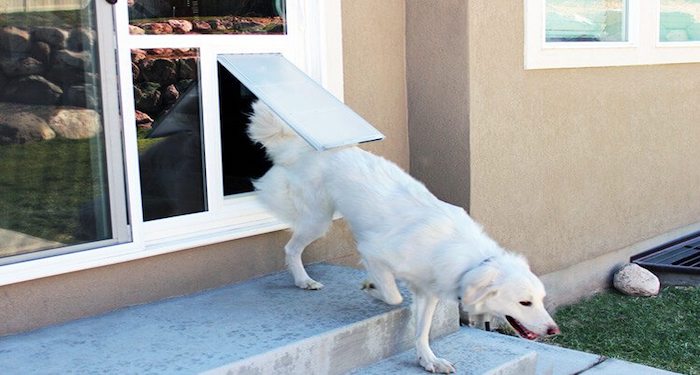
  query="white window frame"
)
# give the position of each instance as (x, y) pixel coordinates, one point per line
(313, 42)
(642, 47)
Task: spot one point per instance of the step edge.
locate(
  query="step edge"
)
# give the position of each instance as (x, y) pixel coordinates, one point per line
(326, 342)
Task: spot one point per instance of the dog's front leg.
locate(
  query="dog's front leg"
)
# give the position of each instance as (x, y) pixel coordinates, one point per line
(424, 308)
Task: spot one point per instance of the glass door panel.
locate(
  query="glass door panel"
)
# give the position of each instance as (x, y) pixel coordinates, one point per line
(169, 130)
(53, 156)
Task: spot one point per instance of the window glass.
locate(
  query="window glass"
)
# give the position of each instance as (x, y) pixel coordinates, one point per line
(53, 180)
(680, 21)
(206, 17)
(168, 121)
(586, 21)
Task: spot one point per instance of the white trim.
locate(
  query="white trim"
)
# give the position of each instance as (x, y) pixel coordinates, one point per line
(51, 266)
(230, 217)
(111, 119)
(642, 48)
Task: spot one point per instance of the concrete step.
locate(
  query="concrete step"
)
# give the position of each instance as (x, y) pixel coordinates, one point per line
(474, 351)
(470, 350)
(261, 326)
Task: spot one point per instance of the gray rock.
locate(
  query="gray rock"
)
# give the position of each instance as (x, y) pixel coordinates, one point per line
(187, 68)
(80, 96)
(147, 97)
(79, 60)
(81, 39)
(23, 66)
(65, 75)
(40, 51)
(634, 280)
(13, 39)
(170, 94)
(33, 89)
(19, 127)
(75, 123)
(163, 71)
(54, 36)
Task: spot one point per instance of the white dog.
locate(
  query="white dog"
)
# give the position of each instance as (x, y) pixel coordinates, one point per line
(402, 232)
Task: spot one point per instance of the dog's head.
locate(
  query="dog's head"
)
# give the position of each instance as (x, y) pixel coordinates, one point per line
(504, 286)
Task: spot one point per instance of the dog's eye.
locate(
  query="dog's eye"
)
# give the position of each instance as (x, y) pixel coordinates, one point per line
(526, 303)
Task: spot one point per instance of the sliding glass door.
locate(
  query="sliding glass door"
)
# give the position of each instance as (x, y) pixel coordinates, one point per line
(61, 180)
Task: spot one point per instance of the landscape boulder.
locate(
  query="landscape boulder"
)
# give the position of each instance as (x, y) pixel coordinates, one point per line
(180, 26)
(634, 280)
(23, 66)
(75, 123)
(19, 127)
(13, 39)
(33, 89)
(81, 39)
(52, 35)
(76, 60)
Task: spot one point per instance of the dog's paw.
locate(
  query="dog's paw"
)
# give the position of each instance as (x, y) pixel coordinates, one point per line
(439, 365)
(309, 284)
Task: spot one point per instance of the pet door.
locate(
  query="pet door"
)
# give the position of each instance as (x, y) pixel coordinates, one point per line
(314, 113)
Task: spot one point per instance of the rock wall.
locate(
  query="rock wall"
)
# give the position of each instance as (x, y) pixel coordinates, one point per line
(47, 73)
(160, 76)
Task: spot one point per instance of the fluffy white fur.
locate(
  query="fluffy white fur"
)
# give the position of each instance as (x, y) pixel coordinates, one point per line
(402, 232)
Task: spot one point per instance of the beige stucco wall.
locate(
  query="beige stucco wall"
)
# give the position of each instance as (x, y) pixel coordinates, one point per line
(438, 102)
(375, 71)
(576, 168)
(571, 164)
(374, 86)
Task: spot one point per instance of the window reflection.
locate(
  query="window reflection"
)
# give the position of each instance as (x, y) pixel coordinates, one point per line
(166, 94)
(680, 21)
(53, 179)
(206, 17)
(586, 21)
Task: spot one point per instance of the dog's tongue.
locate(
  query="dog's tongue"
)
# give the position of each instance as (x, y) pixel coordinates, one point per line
(522, 331)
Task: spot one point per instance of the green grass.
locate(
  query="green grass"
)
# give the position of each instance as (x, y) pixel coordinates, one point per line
(661, 331)
(44, 184)
(62, 18)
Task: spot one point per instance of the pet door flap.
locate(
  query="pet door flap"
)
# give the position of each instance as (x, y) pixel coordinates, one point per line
(314, 113)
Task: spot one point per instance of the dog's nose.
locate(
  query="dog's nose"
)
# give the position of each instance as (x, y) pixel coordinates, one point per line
(553, 330)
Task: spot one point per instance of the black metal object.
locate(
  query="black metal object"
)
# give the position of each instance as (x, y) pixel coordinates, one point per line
(680, 256)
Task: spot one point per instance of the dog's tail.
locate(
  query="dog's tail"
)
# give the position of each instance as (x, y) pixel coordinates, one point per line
(282, 144)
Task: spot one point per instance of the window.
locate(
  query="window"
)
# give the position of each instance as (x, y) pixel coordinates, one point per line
(586, 21)
(680, 21)
(588, 33)
(178, 183)
(61, 181)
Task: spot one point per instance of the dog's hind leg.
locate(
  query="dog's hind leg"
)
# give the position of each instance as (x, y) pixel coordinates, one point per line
(302, 237)
(424, 307)
(381, 283)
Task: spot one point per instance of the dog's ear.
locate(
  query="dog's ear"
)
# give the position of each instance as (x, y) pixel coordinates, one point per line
(478, 283)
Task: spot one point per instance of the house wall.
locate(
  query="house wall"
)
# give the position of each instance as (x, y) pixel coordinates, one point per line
(575, 168)
(437, 70)
(374, 87)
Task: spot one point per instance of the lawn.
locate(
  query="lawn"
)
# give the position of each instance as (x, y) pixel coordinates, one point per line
(43, 186)
(661, 331)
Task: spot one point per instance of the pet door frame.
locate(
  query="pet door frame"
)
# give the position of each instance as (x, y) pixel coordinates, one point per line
(322, 120)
